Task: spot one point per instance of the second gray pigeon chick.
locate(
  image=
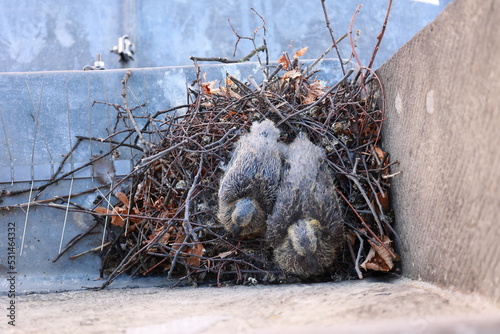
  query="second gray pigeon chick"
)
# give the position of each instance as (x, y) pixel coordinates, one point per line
(249, 186)
(305, 228)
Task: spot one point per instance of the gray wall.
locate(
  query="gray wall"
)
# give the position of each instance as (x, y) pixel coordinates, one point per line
(443, 120)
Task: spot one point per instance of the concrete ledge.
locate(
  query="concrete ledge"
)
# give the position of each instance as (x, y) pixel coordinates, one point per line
(401, 306)
(443, 111)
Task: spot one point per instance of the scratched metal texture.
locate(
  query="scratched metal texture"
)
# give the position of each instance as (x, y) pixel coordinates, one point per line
(43, 35)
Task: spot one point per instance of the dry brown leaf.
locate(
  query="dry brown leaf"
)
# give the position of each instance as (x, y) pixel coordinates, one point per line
(118, 219)
(197, 250)
(283, 61)
(101, 210)
(207, 105)
(230, 93)
(380, 153)
(136, 220)
(309, 99)
(300, 52)
(378, 257)
(163, 240)
(158, 203)
(223, 255)
(123, 198)
(179, 239)
(209, 87)
(383, 198)
(293, 74)
(351, 237)
(316, 90)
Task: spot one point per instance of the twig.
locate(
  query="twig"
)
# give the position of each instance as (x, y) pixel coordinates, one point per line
(120, 268)
(107, 140)
(368, 202)
(222, 140)
(283, 118)
(238, 36)
(61, 165)
(334, 42)
(77, 238)
(353, 45)
(329, 91)
(231, 61)
(95, 249)
(254, 83)
(381, 35)
(377, 239)
(187, 223)
(117, 106)
(358, 258)
(385, 177)
(327, 51)
(51, 182)
(144, 143)
(43, 201)
(158, 156)
(276, 71)
(176, 256)
(263, 68)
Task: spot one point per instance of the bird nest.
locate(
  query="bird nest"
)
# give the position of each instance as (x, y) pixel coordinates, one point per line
(166, 223)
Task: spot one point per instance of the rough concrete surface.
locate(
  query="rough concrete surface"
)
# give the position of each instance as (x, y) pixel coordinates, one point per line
(400, 306)
(443, 117)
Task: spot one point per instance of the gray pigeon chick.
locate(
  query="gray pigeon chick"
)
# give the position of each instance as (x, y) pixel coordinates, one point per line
(249, 186)
(305, 228)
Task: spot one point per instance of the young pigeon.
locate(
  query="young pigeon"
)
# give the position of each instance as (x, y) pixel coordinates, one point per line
(305, 228)
(249, 186)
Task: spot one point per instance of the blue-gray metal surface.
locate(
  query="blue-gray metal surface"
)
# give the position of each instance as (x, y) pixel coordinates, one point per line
(45, 35)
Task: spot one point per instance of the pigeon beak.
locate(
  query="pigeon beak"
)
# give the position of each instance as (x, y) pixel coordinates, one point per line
(312, 263)
(237, 230)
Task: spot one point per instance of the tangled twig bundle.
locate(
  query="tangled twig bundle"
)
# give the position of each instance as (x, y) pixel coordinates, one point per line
(175, 186)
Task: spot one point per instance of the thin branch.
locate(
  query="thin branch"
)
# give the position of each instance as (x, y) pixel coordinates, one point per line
(381, 35)
(358, 257)
(144, 143)
(230, 61)
(330, 30)
(188, 228)
(328, 92)
(323, 55)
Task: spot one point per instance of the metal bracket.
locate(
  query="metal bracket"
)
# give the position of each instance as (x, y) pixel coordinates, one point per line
(125, 49)
(98, 64)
